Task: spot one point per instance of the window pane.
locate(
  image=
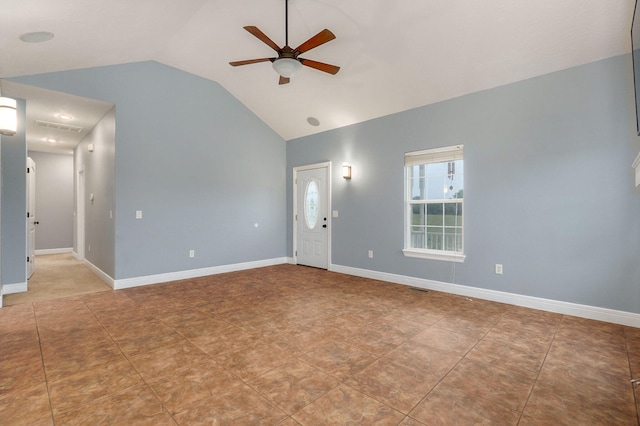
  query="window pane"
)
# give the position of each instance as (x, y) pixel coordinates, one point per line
(453, 239)
(434, 214)
(434, 238)
(436, 188)
(450, 239)
(436, 169)
(454, 181)
(311, 205)
(417, 214)
(450, 214)
(417, 237)
(418, 182)
(459, 215)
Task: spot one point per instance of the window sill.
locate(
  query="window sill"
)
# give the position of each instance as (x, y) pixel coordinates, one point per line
(421, 254)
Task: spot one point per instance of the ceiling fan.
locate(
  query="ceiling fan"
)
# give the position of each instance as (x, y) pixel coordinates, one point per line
(288, 61)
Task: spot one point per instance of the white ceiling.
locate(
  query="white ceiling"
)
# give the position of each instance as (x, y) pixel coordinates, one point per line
(393, 55)
(47, 127)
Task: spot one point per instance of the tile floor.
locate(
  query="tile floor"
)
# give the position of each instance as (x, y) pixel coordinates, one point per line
(293, 346)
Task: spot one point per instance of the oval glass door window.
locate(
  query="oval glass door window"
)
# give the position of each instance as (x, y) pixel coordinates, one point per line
(311, 198)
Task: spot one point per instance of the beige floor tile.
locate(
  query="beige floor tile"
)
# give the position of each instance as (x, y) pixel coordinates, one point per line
(339, 359)
(135, 405)
(26, 406)
(451, 340)
(345, 405)
(293, 385)
(395, 385)
(238, 404)
(298, 346)
(446, 405)
(74, 390)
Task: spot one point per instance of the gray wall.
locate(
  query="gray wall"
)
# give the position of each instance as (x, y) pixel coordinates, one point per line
(54, 200)
(548, 187)
(201, 167)
(14, 203)
(99, 180)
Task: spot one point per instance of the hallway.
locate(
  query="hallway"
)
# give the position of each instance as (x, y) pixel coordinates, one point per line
(56, 276)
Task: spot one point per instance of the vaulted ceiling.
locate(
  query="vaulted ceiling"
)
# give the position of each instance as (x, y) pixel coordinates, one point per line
(394, 55)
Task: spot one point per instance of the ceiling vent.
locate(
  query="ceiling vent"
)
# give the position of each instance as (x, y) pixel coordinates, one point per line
(58, 126)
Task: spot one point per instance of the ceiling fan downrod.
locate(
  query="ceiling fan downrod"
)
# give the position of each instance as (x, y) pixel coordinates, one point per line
(286, 22)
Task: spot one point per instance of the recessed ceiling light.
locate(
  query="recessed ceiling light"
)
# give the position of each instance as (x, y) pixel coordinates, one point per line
(50, 140)
(36, 37)
(313, 121)
(64, 116)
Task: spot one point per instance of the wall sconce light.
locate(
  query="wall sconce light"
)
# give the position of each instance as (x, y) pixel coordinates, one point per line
(8, 116)
(346, 171)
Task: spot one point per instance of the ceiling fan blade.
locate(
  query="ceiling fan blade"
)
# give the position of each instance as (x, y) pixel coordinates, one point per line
(250, 61)
(331, 69)
(262, 37)
(284, 80)
(321, 38)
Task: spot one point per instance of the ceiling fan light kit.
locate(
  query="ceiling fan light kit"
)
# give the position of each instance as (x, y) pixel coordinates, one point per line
(8, 116)
(288, 61)
(286, 67)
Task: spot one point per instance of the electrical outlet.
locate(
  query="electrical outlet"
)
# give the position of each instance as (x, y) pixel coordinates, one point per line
(138, 214)
(370, 254)
(499, 268)
(192, 253)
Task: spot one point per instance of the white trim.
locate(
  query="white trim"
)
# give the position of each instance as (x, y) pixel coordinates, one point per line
(99, 272)
(80, 214)
(329, 177)
(194, 273)
(14, 288)
(422, 254)
(434, 155)
(54, 251)
(584, 311)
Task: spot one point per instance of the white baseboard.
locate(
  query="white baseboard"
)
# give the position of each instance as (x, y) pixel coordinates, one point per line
(54, 251)
(14, 288)
(194, 273)
(567, 308)
(99, 272)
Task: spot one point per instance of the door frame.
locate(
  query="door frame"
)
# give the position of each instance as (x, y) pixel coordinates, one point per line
(327, 166)
(80, 214)
(31, 219)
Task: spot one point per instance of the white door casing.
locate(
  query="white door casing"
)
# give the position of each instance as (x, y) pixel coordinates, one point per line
(31, 216)
(80, 213)
(312, 221)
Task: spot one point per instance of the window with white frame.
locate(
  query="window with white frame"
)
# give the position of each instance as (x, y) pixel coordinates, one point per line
(434, 203)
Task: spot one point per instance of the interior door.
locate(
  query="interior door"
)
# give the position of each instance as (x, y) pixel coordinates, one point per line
(312, 220)
(31, 216)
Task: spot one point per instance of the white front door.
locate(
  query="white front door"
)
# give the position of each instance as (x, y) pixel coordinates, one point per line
(31, 216)
(312, 216)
